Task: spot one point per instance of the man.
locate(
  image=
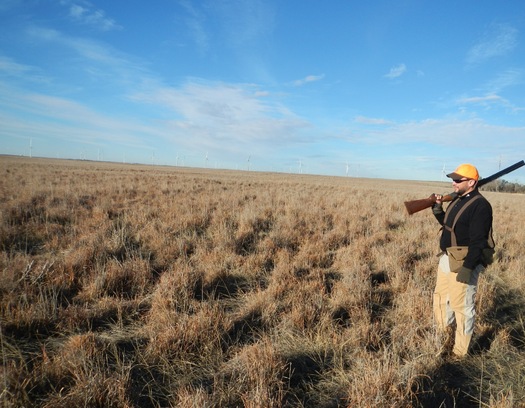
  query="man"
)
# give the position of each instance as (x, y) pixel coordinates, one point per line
(467, 227)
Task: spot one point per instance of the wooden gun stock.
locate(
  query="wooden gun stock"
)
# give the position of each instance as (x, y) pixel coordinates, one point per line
(418, 205)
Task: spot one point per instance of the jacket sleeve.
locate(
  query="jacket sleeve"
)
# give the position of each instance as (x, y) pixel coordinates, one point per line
(438, 212)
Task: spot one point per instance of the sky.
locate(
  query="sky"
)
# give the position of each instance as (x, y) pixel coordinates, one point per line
(404, 89)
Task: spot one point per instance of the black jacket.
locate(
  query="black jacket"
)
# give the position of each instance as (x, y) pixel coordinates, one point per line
(472, 228)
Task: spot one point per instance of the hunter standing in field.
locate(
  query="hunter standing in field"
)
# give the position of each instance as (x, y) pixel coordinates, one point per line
(466, 244)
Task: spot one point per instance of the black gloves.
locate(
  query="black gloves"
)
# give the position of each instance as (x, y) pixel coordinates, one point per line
(464, 275)
(437, 209)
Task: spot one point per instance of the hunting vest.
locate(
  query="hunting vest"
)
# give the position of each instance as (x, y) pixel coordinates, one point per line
(453, 241)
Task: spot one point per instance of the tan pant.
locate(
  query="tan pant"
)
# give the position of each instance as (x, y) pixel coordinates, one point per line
(454, 302)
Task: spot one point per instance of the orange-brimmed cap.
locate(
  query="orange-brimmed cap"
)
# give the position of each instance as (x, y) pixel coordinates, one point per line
(465, 170)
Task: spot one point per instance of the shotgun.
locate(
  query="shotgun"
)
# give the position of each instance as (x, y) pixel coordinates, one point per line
(419, 205)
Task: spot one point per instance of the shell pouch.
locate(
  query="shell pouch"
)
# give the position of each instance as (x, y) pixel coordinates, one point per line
(456, 255)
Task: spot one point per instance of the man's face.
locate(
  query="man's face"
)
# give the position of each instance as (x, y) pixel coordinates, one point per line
(463, 185)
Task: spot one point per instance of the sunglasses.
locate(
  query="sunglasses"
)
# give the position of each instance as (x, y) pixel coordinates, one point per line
(457, 181)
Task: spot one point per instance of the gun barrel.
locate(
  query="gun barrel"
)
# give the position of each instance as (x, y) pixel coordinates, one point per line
(500, 173)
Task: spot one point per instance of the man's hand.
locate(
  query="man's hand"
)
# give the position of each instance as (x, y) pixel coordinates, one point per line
(437, 208)
(464, 275)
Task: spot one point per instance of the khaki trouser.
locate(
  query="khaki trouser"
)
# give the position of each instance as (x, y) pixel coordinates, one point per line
(454, 302)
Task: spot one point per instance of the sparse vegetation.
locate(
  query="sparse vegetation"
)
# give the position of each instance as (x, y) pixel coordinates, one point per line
(139, 286)
(505, 186)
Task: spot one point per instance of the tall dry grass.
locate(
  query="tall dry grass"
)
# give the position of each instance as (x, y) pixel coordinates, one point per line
(138, 286)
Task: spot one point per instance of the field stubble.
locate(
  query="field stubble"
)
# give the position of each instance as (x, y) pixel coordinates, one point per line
(128, 286)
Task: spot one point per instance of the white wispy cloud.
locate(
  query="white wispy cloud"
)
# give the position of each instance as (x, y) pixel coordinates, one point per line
(308, 79)
(244, 32)
(489, 101)
(21, 72)
(474, 132)
(91, 56)
(485, 99)
(506, 79)
(440, 132)
(212, 114)
(9, 67)
(223, 116)
(31, 114)
(401, 143)
(195, 21)
(498, 41)
(244, 23)
(372, 121)
(85, 13)
(396, 71)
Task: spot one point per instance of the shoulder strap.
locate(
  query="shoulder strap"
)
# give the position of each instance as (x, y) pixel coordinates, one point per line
(456, 218)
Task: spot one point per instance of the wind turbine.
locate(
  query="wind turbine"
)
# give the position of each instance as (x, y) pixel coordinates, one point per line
(31, 148)
(499, 183)
(347, 168)
(300, 167)
(443, 172)
(248, 162)
(206, 163)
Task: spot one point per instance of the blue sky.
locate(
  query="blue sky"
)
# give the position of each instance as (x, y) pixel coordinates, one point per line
(389, 89)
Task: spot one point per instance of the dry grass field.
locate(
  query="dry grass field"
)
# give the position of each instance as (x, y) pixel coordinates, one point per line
(141, 286)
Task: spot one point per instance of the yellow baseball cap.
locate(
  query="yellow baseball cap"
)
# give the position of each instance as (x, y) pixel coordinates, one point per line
(465, 170)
